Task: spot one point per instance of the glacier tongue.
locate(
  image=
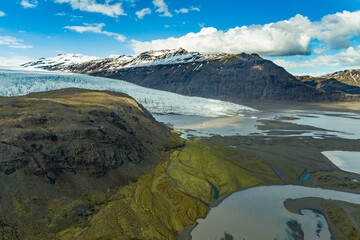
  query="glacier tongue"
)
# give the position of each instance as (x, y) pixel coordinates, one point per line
(15, 83)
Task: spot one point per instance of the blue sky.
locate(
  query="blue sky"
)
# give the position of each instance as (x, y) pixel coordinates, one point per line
(303, 36)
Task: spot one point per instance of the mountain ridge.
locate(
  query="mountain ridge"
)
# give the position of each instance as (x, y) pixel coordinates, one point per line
(348, 76)
(230, 77)
(329, 84)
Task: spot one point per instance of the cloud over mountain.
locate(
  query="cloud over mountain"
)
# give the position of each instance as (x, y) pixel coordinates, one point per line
(282, 38)
(346, 58)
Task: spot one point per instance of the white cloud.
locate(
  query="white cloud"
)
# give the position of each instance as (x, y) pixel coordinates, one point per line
(60, 14)
(195, 9)
(271, 39)
(162, 8)
(140, 14)
(338, 29)
(346, 58)
(13, 42)
(2, 14)
(14, 61)
(28, 3)
(96, 28)
(182, 10)
(288, 37)
(92, 6)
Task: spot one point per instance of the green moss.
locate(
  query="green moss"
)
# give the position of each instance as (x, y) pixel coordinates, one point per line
(152, 209)
(346, 228)
(204, 170)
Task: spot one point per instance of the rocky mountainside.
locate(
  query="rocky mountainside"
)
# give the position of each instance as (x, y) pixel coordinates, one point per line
(230, 77)
(61, 152)
(329, 84)
(350, 77)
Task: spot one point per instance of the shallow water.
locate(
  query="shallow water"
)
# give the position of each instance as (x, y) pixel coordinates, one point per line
(346, 161)
(334, 124)
(259, 213)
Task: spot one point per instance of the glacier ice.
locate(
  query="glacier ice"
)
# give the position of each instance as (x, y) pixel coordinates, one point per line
(15, 83)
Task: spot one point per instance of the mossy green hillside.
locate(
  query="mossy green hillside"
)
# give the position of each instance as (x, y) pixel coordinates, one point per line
(345, 219)
(210, 171)
(161, 204)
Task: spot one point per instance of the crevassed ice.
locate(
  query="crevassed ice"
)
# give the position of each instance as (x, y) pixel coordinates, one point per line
(15, 83)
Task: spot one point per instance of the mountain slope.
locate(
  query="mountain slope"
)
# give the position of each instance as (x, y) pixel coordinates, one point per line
(350, 77)
(329, 84)
(234, 78)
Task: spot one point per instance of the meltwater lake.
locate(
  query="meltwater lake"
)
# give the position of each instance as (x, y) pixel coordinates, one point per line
(259, 213)
(279, 122)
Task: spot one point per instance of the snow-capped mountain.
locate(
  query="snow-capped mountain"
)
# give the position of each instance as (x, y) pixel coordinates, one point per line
(61, 61)
(230, 77)
(116, 62)
(15, 83)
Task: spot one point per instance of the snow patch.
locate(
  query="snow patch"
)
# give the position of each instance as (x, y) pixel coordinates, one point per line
(61, 59)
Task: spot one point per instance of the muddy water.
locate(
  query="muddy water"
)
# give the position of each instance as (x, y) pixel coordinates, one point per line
(259, 213)
(288, 122)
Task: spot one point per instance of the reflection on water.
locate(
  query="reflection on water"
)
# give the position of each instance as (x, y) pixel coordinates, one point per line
(347, 161)
(259, 213)
(329, 124)
(242, 125)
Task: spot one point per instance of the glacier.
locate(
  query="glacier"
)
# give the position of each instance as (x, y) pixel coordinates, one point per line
(19, 82)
